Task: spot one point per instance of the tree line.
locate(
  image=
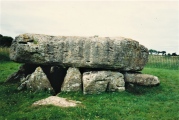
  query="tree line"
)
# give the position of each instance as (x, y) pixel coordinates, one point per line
(5, 41)
(151, 51)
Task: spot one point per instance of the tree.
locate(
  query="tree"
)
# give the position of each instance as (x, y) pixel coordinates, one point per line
(155, 51)
(151, 51)
(174, 54)
(163, 52)
(5, 41)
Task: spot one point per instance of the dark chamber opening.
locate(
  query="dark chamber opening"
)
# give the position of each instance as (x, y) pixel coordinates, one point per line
(55, 74)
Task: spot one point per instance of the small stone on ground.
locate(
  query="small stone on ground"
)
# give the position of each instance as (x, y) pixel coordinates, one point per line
(56, 101)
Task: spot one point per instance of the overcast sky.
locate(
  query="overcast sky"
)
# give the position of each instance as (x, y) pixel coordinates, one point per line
(154, 24)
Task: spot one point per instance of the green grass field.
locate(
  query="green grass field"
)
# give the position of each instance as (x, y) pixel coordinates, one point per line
(139, 103)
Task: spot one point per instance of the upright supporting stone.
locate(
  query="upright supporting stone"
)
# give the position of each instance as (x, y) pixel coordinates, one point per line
(37, 81)
(116, 82)
(96, 82)
(72, 81)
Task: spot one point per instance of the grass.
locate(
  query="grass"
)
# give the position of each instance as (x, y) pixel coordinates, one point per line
(138, 103)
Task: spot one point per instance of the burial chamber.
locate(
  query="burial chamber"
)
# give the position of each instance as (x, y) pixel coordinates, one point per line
(76, 63)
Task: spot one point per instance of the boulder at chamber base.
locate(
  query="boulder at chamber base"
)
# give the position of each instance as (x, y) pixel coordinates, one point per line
(91, 65)
(96, 82)
(37, 81)
(141, 79)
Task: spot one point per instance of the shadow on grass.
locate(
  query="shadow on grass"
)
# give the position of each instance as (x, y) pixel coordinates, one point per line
(141, 90)
(4, 57)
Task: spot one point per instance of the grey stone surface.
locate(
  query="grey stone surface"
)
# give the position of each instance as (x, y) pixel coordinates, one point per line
(36, 81)
(141, 79)
(72, 80)
(71, 51)
(96, 82)
(116, 82)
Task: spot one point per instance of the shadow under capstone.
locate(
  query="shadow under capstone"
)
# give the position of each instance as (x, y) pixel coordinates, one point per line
(29, 68)
(55, 74)
(56, 77)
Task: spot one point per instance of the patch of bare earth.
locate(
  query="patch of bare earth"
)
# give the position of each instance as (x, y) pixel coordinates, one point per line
(56, 101)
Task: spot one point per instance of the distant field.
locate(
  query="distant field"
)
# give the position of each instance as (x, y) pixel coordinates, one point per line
(4, 50)
(4, 54)
(166, 62)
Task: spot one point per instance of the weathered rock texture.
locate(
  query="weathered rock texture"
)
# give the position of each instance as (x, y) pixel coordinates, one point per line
(72, 80)
(141, 79)
(36, 81)
(96, 82)
(72, 51)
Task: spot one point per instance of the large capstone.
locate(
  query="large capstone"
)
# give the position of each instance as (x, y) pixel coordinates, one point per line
(82, 52)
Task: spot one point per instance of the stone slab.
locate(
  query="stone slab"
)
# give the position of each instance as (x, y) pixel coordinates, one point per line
(82, 52)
